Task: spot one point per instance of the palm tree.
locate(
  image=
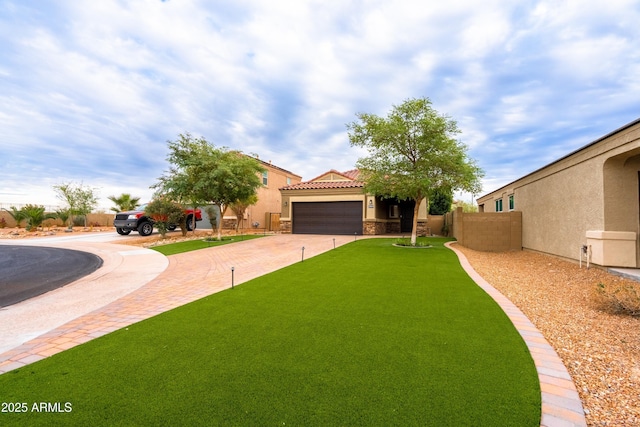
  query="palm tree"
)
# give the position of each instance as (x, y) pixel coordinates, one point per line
(35, 216)
(125, 202)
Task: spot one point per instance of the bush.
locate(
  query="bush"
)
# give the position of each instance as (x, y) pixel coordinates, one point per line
(35, 216)
(165, 213)
(620, 298)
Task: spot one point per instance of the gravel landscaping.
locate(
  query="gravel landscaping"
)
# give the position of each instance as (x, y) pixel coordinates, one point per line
(601, 350)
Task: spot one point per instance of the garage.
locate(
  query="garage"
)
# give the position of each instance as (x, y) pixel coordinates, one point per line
(327, 217)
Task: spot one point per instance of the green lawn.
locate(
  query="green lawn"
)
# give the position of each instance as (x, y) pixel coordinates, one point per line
(366, 334)
(193, 245)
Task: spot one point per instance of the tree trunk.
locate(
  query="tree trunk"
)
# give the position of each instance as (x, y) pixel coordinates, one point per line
(193, 220)
(238, 220)
(223, 209)
(414, 227)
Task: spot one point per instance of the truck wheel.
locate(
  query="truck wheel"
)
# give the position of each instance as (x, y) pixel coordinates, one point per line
(190, 225)
(171, 227)
(123, 231)
(145, 228)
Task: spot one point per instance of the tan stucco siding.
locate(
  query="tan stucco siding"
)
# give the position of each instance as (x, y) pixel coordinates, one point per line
(558, 209)
(320, 195)
(268, 196)
(621, 192)
(372, 207)
(595, 188)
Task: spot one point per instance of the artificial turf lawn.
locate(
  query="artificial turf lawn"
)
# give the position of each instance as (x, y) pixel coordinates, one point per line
(366, 334)
(194, 245)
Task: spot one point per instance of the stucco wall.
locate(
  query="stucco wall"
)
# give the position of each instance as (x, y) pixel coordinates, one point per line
(269, 198)
(487, 231)
(559, 209)
(594, 188)
(328, 195)
(100, 219)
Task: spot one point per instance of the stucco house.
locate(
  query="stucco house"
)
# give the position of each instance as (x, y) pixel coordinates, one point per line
(585, 204)
(266, 212)
(335, 203)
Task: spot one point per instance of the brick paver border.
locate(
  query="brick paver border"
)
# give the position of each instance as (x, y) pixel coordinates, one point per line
(561, 404)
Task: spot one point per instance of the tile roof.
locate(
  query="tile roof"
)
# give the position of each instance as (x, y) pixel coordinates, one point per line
(350, 181)
(353, 174)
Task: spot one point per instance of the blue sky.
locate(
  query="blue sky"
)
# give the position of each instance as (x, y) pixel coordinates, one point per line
(90, 91)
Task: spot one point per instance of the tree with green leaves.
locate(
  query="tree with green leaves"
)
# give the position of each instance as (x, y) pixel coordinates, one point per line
(124, 202)
(165, 214)
(412, 152)
(80, 200)
(239, 207)
(440, 202)
(18, 215)
(466, 206)
(202, 174)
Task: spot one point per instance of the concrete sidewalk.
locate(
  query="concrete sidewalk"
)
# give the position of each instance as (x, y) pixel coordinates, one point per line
(74, 314)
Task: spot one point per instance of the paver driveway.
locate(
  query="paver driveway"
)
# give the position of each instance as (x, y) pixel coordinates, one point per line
(188, 277)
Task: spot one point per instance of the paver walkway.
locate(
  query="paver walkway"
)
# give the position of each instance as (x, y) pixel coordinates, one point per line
(189, 276)
(194, 275)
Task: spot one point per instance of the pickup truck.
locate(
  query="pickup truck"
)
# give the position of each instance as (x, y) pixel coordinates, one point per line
(126, 222)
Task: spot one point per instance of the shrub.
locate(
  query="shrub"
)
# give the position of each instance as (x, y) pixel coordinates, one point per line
(35, 216)
(63, 215)
(619, 298)
(166, 213)
(3, 223)
(18, 215)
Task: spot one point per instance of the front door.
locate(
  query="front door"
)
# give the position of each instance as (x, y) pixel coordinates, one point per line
(406, 215)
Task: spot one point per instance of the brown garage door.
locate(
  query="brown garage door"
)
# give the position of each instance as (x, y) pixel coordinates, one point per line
(327, 218)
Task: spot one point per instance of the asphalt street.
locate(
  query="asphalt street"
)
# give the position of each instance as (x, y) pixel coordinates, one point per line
(28, 271)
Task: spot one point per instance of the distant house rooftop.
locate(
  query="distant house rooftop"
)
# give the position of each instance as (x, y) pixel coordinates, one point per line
(330, 179)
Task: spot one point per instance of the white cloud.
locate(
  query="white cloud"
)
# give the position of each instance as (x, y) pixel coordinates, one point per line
(91, 91)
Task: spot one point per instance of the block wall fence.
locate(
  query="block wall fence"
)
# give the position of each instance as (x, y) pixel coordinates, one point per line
(486, 231)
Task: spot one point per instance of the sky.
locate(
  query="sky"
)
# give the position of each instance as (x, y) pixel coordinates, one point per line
(91, 91)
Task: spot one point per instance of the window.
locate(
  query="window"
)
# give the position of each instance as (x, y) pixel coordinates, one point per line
(265, 177)
(512, 204)
(288, 181)
(499, 205)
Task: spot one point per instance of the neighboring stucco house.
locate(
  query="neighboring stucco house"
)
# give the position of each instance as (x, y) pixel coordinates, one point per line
(585, 201)
(266, 212)
(335, 203)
